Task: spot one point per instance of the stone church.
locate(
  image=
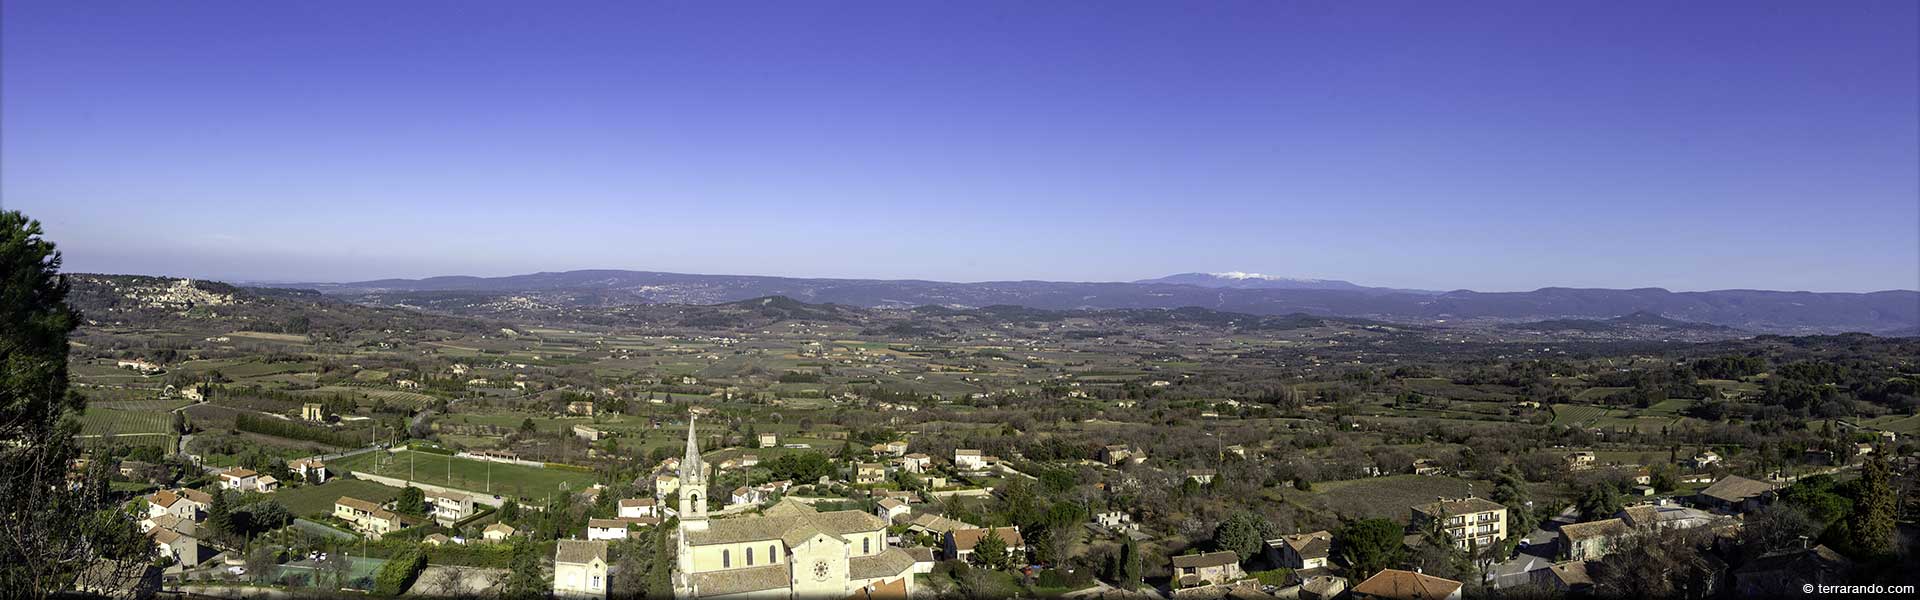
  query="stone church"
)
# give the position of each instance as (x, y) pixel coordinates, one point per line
(789, 551)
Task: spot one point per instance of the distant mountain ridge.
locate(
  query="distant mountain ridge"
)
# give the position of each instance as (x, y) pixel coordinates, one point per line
(1750, 310)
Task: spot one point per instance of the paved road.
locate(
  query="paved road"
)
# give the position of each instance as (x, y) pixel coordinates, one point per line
(1537, 550)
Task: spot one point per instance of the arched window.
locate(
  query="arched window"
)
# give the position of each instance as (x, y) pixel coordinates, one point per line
(866, 545)
(726, 559)
(773, 553)
(749, 556)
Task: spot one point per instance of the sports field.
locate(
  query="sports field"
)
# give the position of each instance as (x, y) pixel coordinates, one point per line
(468, 474)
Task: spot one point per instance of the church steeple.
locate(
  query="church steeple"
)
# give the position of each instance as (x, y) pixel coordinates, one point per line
(693, 483)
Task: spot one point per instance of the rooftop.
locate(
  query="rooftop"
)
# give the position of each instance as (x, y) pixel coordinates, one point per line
(580, 551)
(1396, 584)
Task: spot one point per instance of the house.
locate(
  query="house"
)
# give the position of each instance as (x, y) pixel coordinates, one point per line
(310, 470)
(497, 532)
(769, 440)
(869, 473)
(1322, 587)
(1237, 450)
(1580, 461)
(313, 411)
(183, 503)
(438, 539)
(745, 495)
(1118, 454)
(107, 578)
(606, 529)
(1470, 522)
(1567, 577)
(665, 484)
(1428, 467)
(891, 509)
(1655, 516)
(366, 517)
(1201, 476)
(1302, 551)
(936, 525)
(407, 384)
(580, 407)
(968, 459)
(1206, 569)
(448, 508)
(186, 526)
(1782, 573)
(1705, 459)
(922, 558)
(893, 448)
(1734, 495)
(589, 433)
(1591, 540)
(1395, 584)
(915, 463)
(238, 478)
(636, 508)
(580, 569)
(266, 484)
(960, 542)
(185, 549)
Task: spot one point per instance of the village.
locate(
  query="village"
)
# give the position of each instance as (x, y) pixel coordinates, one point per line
(1047, 455)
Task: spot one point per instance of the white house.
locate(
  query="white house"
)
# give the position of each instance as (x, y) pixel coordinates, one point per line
(636, 508)
(580, 569)
(238, 478)
(890, 509)
(310, 469)
(915, 463)
(497, 532)
(606, 529)
(448, 508)
(968, 459)
(183, 503)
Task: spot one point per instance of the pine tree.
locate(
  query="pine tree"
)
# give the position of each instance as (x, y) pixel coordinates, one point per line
(1871, 527)
(1129, 578)
(991, 551)
(48, 531)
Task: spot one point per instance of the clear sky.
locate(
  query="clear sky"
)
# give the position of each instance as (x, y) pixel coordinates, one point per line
(1441, 145)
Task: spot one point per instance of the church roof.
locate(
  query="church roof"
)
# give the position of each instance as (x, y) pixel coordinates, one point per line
(789, 522)
(750, 579)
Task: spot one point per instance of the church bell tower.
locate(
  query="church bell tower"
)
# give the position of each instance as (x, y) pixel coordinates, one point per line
(693, 485)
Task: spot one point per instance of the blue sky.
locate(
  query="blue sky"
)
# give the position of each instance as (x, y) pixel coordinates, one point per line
(1443, 145)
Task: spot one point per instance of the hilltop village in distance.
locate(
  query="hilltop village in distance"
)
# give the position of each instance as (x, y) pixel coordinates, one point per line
(773, 448)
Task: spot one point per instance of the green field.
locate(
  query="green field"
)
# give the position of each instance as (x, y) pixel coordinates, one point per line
(139, 405)
(1901, 424)
(317, 500)
(1576, 414)
(106, 421)
(468, 474)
